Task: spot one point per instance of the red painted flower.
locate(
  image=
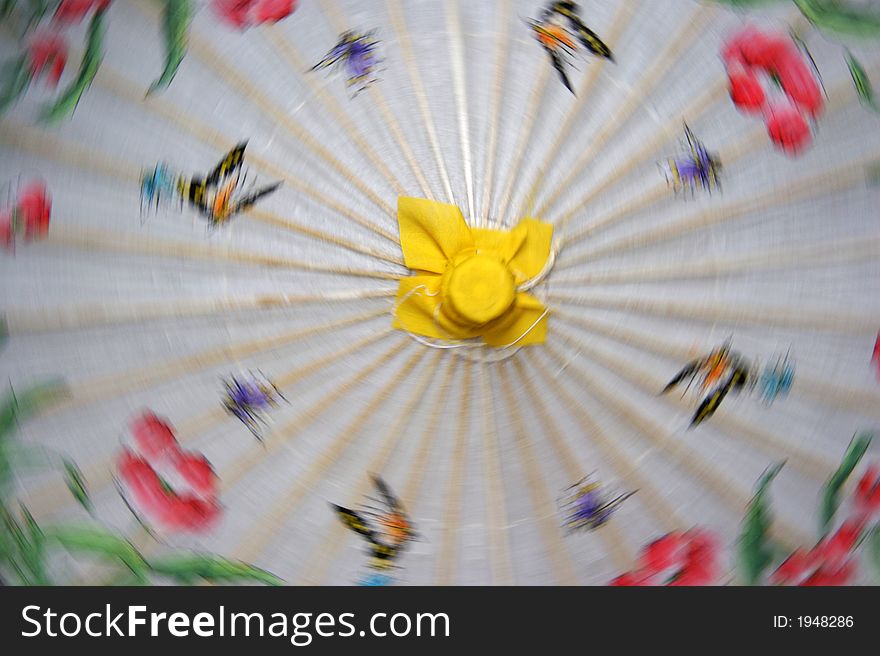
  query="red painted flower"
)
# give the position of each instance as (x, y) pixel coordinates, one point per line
(153, 436)
(245, 13)
(867, 497)
(173, 489)
(755, 61)
(48, 51)
(788, 128)
(830, 562)
(746, 91)
(34, 209)
(689, 558)
(73, 11)
(7, 230)
(273, 10)
(876, 357)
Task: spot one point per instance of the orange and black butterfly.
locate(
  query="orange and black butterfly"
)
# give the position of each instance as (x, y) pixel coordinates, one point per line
(385, 526)
(561, 32)
(716, 374)
(222, 193)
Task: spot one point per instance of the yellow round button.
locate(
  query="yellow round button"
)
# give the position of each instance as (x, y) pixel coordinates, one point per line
(479, 289)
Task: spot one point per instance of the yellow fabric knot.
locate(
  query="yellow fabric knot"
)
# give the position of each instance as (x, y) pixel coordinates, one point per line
(467, 279)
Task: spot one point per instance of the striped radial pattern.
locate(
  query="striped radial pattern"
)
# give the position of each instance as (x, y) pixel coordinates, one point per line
(152, 313)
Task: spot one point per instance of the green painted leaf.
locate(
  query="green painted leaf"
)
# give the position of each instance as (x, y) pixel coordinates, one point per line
(6, 7)
(4, 331)
(37, 547)
(18, 407)
(36, 10)
(15, 76)
(65, 105)
(28, 562)
(873, 544)
(831, 492)
(14, 529)
(76, 483)
(99, 542)
(189, 567)
(745, 4)
(176, 20)
(862, 82)
(756, 551)
(832, 16)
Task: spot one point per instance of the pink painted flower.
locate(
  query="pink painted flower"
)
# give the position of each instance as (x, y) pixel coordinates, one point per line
(245, 13)
(48, 51)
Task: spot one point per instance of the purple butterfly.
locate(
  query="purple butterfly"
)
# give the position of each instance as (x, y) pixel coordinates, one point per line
(249, 399)
(588, 506)
(356, 54)
(696, 170)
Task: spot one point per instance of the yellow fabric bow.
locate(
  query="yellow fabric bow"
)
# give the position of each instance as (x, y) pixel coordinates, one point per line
(467, 279)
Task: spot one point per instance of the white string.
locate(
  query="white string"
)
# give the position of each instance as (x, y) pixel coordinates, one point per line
(473, 343)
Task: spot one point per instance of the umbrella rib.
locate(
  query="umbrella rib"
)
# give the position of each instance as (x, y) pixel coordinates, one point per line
(99, 476)
(499, 543)
(734, 496)
(334, 16)
(651, 78)
(261, 534)
(609, 534)
(621, 22)
(298, 64)
(454, 24)
(94, 316)
(67, 153)
(849, 251)
(84, 393)
(119, 243)
(399, 25)
(315, 568)
(444, 570)
(816, 467)
(416, 470)
(558, 555)
(731, 314)
(526, 127)
(662, 511)
(501, 52)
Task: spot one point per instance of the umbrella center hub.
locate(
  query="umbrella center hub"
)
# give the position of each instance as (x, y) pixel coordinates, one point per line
(478, 288)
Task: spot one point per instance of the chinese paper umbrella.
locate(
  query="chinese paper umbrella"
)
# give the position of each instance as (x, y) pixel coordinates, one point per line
(472, 282)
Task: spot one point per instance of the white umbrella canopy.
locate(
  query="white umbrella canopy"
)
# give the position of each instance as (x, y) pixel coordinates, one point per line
(152, 310)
